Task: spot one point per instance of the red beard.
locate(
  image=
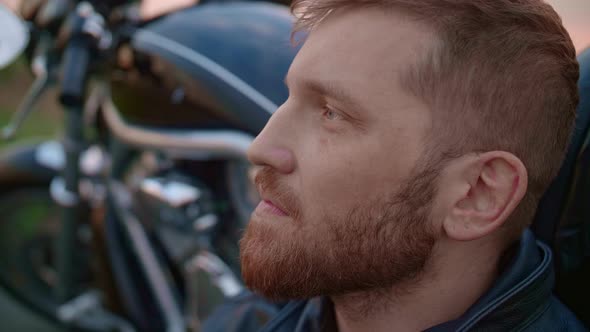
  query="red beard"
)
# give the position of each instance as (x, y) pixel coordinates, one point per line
(371, 246)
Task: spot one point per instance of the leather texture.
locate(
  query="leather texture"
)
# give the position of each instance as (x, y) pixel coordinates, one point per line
(562, 219)
(553, 203)
(521, 299)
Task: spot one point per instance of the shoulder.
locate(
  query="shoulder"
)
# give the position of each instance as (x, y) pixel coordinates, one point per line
(556, 317)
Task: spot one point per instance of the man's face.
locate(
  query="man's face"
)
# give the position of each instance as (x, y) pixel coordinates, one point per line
(347, 194)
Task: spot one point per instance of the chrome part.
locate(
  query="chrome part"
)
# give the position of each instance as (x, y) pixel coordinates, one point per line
(93, 161)
(211, 66)
(38, 87)
(39, 65)
(147, 164)
(51, 154)
(94, 26)
(180, 143)
(220, 278)
(147, 258)
(93, 103)
(221, 275)
(79, 306)
(88, 308)
(43, 79)
(174, 193)
(205, 222)
(61, 195)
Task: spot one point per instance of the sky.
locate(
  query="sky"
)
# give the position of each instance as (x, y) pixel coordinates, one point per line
(576, 18)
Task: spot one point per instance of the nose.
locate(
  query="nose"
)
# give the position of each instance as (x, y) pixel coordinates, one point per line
(272, 146)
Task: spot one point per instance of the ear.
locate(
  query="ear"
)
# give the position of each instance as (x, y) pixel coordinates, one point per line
(490, 186)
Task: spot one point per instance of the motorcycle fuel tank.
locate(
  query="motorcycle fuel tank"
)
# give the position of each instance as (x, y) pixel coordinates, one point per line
(208, 66)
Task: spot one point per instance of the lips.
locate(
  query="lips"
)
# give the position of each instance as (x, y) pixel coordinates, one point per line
(270, 207)
(277, 197)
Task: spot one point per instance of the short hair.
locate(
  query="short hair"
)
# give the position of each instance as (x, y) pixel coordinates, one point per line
(502, 75)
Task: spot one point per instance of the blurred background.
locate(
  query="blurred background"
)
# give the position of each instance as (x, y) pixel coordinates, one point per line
(46, 121)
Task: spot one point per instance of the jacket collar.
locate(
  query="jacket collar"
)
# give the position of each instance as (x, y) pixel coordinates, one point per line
(520, 293)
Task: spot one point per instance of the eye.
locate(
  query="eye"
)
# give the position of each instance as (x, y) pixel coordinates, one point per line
(330, 114)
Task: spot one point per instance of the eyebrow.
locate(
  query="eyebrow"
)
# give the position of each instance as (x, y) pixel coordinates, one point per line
(333, 90)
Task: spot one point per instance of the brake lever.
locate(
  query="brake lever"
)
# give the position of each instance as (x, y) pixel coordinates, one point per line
(37, 89)
(39, 67)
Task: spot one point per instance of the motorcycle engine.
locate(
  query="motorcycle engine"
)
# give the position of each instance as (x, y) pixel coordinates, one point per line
(180, 210)
(195, 212)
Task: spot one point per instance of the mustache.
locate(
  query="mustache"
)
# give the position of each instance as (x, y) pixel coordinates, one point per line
(269, 186)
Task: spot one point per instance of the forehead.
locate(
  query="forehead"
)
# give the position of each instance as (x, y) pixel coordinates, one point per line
(362, 47)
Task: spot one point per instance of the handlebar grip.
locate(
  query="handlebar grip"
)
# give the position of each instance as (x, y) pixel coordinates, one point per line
(75, 71)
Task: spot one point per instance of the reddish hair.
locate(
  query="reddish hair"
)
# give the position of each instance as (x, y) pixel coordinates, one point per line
(502, 76)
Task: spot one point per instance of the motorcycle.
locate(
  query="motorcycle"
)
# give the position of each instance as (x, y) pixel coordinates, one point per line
(131, 222)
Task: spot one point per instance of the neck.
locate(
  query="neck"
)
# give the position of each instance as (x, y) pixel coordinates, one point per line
(444, 291)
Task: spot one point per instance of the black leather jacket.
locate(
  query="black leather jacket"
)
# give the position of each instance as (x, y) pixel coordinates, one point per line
(521, 299)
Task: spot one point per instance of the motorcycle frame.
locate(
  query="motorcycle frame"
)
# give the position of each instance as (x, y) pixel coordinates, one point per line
(181, 144)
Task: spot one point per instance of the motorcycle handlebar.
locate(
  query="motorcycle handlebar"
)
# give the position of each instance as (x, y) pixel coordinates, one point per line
(84, 29)
(75, 70)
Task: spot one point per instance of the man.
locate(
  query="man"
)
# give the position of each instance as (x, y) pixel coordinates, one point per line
(400, 176)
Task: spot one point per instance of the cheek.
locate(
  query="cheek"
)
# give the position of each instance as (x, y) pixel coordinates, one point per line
(341, 177)
(340, 171)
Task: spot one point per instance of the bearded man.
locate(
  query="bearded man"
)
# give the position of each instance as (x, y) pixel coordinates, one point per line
(400, 176)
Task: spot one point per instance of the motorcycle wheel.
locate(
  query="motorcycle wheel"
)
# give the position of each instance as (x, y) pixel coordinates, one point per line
(29, 225)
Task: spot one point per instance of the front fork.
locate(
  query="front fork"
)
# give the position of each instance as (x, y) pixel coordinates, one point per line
(86, 26)
(73, 210)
